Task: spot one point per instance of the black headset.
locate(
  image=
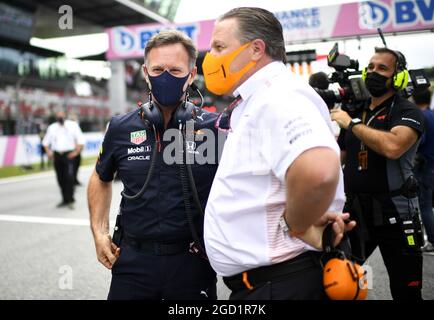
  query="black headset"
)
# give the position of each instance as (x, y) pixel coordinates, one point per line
(400, 77)
(153, 116)
(153, 119)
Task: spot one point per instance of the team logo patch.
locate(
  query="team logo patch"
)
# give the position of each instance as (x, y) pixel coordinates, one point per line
(191, 147)
(137, 137)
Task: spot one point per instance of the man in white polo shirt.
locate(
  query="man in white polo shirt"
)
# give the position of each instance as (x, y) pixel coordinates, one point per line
(62, 143)
(279, 181)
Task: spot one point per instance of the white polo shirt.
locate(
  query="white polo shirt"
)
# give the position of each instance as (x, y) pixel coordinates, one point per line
(280, 117)
(64, 137)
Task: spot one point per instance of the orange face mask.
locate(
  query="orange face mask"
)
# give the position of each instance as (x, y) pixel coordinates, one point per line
(218, 77)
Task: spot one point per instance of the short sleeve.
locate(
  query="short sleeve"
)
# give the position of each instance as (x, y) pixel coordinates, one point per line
(295, 129)
(47, 141)
(408, 115)
(80, 138)
(105, 165)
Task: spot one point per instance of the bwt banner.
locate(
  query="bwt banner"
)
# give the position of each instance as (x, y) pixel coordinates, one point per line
(312, 24)
(26, 149)
(130, 41)
(356, 19)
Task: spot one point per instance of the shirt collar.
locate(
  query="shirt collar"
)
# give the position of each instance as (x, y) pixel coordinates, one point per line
(253, 84)
(385, 104)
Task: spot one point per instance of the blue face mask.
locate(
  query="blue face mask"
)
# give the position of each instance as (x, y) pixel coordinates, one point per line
(167, 89)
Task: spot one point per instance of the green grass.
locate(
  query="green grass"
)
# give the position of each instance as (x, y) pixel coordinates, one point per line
(14, 171)
(88, 161)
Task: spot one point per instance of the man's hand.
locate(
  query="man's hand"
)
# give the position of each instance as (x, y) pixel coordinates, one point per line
(339, 226)
(341, 117)
(313, 235)
(50, 154)
(106, 251)
(72, 154)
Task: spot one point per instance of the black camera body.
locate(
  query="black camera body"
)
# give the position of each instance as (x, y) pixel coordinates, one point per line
(352, 90)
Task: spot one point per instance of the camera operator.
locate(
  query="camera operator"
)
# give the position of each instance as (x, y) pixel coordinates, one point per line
(379, 141)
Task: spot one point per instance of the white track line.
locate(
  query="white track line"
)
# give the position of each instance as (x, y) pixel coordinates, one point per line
(36, 176)
(47, 220)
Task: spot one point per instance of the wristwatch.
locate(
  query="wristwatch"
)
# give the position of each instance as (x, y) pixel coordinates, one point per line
(353, 123)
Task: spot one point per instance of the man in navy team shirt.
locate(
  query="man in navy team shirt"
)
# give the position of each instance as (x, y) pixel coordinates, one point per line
(424, 169)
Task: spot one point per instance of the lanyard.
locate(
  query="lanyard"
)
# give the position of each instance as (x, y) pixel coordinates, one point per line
(362, 145)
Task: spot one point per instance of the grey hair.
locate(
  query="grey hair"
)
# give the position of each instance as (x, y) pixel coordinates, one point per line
(258, 23)
(167, 37)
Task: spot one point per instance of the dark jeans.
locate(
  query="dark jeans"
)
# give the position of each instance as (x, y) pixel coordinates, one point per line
(65, 175)
(425, 176)
(77, 162)
(146, 276)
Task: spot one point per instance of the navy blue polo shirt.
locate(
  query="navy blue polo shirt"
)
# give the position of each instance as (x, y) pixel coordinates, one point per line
(426, 146)
(159, 215)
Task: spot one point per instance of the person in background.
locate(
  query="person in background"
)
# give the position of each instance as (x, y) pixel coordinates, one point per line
(378, 142)
(424, 166)
(63, 141)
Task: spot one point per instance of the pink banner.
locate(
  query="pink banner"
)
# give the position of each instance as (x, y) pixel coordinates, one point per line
(356, 19)
(390, 16)
(300, 25)
(11, 147)
(130, 41)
